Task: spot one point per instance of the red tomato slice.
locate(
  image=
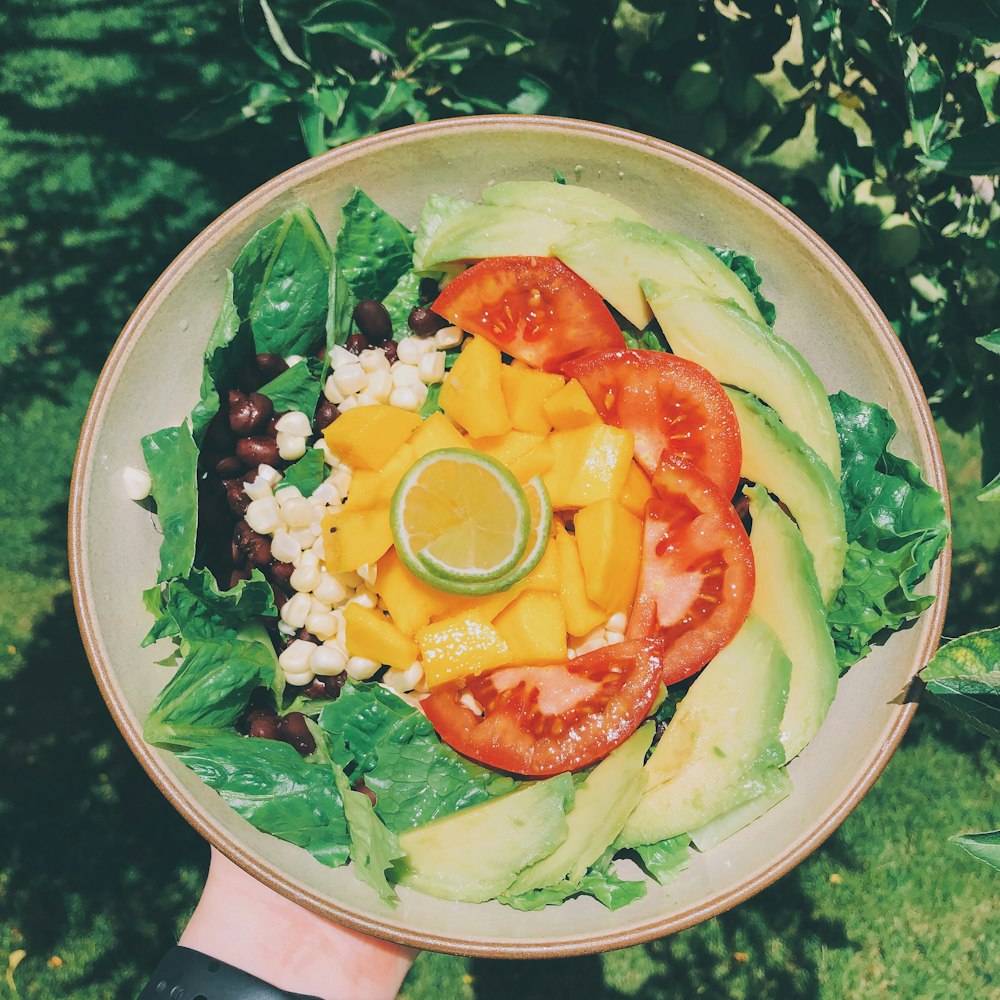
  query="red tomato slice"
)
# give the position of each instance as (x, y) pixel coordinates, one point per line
(673, 406)
(696, 578)
(545, 720)
(533, 308)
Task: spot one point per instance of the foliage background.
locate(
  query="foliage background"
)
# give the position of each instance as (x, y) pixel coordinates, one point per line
(98, 192)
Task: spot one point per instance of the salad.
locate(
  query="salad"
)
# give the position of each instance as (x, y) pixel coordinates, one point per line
(499, 550)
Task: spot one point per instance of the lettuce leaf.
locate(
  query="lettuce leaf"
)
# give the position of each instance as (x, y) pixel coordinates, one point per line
(745, 268)
(415, 777)
(600, 881)
(172, 460)
(404, 296)
(281, 284)
(896, 527)
(276, 790)
(296, 389)
(306, 474)
(663, 860)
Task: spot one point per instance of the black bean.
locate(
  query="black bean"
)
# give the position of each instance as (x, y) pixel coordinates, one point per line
(266, 727)
(228, 466)
(244, 721)
(316, 689)
(280, 573)
(425, 322)
(391, 354)
(373, 321)
(365, 790)
(242, 534)
(280, 597)
(326, 413)
(258, 451)
(219, 435)
(271, 365)
(248, 413)
(356, 343)
(259, 552)
(236, 575)
(428, 290)
(306, 636)
(294, 731)
(334, 685)
(238, 500)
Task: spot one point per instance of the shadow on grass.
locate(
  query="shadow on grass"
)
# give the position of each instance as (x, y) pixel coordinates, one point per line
(760, 949)
(94, 848)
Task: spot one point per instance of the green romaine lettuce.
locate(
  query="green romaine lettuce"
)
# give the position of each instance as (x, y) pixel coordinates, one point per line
(896, 527)
(306, 474)
(296, 389)
(745, 268)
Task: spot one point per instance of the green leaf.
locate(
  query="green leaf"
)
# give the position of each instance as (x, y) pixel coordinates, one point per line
(991, 341)
(306, 474)
(298, 388)
(253, 102)
(905, 14)
(228, 352)
(967, 155)
(964, 676)
(788, 125)
(745, 268)
(278, 37)
(496, 85)
(363, 23)
(648, 340)
(195, 610)
(172, 460)
(982, 846)
(400, 301)
(965, 18)
(281, 284)
(373, 846)
(456, 41)
(432, 404)
(276, 790)
(415, 777)
(209, 691)
(600, 881)
(663, 860)
(991, 491)
(924, 94)
(896, 526)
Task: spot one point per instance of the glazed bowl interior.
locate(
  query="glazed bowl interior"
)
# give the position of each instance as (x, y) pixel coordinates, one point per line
(151, 380)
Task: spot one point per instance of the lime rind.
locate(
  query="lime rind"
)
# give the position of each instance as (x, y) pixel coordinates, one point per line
(422, 563)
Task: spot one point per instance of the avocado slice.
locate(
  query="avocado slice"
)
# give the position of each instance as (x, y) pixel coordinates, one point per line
(786, 595)
(576, 205)
(615, 256)
(775, 786)
(475, 854)
(739, 351)
(478, 231)
(723, 738)
(602, 804)
(777, 458)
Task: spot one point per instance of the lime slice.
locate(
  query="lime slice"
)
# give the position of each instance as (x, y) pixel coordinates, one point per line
(541, 527)
(459, 517)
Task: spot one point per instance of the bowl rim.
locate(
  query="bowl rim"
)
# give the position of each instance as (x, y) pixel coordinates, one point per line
(218, 837)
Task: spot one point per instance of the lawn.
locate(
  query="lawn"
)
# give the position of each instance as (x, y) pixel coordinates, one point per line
(98, 872)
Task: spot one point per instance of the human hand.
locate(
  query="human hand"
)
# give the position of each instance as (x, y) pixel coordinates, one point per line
(243, 923)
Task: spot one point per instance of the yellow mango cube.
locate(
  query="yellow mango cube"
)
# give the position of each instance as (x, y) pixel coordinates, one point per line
(582, 614)
(369, 633)
(366, 437)
(394, 470)
(365, 490)
(570, 407)
(411, 602)
(534, 628)
(591, 463)
(545, 576)
(353, 538)
(525, 390)
(486, 607)
(471, 394)
(507, 448)
(637, 491)
(459, 646)
(609, 541)
(535, 462)
(436, 432)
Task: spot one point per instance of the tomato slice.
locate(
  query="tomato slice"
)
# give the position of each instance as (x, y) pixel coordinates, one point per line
(696, 577)
(533, 308)
(545, 720)
(672, 405)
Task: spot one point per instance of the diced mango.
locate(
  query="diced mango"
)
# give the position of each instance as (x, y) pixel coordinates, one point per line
(365, 490)
(352, 538)
(637, 491)
(459, 646)
(535, 462)
(524, 391)
(436, 432)
(591, 464)
(394, 470)
(366, 437)
(487, 607)
(545, 576)
(534, 628)
(569, 407)
(608, 539)
(507, 448)
(369, 633)
(582, 614)
(472, 395)
(411, 602)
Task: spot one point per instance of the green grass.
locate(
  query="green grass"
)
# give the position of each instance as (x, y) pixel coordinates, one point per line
(97, 872)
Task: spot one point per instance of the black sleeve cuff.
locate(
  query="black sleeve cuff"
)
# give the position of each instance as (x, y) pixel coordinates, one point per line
(186, 974)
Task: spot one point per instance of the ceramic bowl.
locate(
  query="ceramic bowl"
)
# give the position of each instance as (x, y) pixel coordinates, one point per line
(151, 380)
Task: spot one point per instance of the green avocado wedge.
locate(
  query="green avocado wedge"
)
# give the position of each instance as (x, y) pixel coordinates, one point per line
(774, 785)
(777, 458)
(786, 596)
(601, 806)
(722, 740)
(475, 854)
(740, 351)
(614, 257)
(569, 203)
